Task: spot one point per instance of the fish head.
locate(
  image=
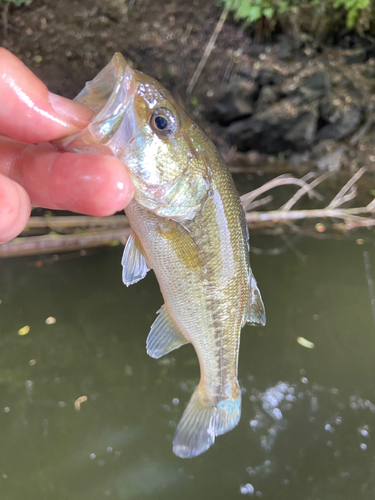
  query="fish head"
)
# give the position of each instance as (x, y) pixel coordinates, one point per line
(138, 121)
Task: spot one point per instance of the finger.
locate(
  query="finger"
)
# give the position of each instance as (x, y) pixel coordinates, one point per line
(28, 111)
(89, 184)
(15, 209)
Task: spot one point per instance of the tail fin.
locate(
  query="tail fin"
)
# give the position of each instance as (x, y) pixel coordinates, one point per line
(202, 421)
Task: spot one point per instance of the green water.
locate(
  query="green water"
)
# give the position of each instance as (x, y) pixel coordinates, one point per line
(308, 418)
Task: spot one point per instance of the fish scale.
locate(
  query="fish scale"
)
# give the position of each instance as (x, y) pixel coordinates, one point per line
(189, 226)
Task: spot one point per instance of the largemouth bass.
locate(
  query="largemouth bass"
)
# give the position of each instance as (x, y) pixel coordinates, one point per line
(188, 225)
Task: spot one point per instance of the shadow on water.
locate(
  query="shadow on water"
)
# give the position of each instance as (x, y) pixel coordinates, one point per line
(308, 414)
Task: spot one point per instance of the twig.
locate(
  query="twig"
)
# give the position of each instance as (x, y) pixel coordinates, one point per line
(271, 169)
(209, 48)
(337, 200)
(4, 18)
(186, 35)
(363, 130)
(350, 215)
(227, 73)
(304, 190)
(282, 180)
(95, 231)
(348, 197)
(52, 243)
(115, 221)
(260, 203)
(370, 282)
(289, 243)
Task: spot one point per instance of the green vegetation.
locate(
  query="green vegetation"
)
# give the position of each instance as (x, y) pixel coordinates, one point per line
(353, 9)
(17, 3)
(252, 11)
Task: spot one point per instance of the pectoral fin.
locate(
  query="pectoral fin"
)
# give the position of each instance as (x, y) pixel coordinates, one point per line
(182, 242)
(164, 335)
(134, 265)
(255, 312)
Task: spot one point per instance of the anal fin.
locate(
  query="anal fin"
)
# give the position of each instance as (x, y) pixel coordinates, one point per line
(134, 265)
(255, 311)
(164, 335)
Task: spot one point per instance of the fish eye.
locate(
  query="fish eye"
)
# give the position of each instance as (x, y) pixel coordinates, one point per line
(163, 122)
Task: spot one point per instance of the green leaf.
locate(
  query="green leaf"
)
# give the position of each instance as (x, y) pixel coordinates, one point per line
(18, 3)
(269, 12)
(252, 10)
(255, 13)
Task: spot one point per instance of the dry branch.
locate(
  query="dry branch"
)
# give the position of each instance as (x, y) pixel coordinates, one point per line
(282, 180)
(89, 232)
(55, 243)
(352, 217)
(305, 190)
(339, 199)
(4, 18)
(209, 48)
(56, 223)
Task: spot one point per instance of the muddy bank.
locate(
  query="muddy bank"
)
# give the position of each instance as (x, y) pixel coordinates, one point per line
(300, 102)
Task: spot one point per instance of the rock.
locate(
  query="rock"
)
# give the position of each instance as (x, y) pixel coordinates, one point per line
(360, 56)
(322, 148)
(298, 159)
(267, 96)
(369, 72)
(338, 120)
(317, 85)
(332, 161)
(357, 57)
(236, 102)
(291, 109)
(348, 39)
(329, 110)
(269, 76)
(285, 49)
(314, 86)
(303, 133)
(289, 47)
(283, 126)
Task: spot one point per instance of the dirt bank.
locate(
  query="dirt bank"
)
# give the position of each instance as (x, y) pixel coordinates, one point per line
(66, 42)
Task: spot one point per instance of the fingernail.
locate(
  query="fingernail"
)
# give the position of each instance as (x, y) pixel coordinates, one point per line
(70, 111)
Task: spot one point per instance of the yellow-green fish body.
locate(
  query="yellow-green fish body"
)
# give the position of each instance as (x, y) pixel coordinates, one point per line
(188, 225)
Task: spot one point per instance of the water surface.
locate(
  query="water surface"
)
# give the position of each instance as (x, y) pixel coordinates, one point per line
(308, 418)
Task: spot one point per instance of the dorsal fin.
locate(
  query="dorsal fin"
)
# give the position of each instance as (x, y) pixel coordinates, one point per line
(134, 265)
(164, 335)
(255, 311)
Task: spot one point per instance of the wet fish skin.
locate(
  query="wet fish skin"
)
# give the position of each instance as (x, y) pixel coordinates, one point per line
(189, 226)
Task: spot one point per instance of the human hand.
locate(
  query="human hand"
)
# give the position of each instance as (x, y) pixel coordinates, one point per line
(41, 175)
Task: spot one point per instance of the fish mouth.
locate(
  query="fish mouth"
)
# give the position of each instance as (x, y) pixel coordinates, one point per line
(110, 95)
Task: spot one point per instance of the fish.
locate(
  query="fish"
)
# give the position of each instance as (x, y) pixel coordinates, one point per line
(189, 226)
